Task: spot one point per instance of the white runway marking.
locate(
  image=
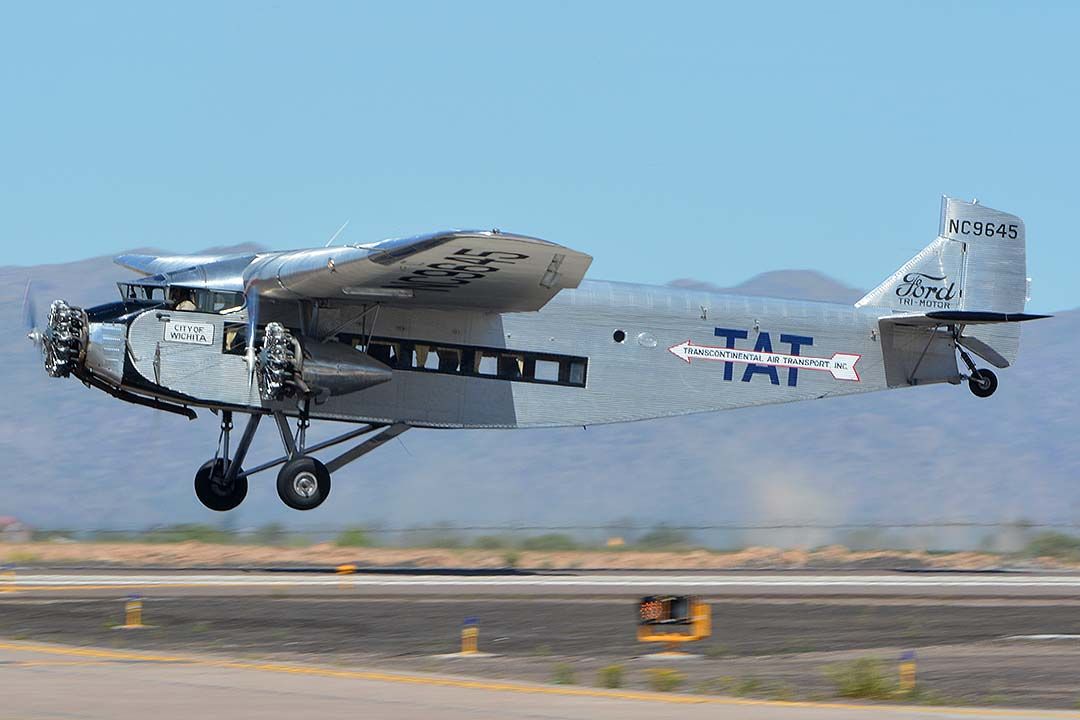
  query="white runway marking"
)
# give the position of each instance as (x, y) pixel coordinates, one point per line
(1060, 582)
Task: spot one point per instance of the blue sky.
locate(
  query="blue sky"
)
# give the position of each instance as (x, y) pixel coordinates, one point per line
(669, 140)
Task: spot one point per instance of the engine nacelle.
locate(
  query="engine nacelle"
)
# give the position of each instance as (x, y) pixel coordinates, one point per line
(333, 368)
(318, 370)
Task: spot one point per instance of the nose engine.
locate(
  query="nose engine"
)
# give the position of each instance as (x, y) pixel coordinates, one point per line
(64, 339)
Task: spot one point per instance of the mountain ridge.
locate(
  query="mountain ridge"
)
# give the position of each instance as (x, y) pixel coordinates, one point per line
(934, 453)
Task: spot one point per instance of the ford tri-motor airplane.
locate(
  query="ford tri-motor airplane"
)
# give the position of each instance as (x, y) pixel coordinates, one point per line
(488, 329)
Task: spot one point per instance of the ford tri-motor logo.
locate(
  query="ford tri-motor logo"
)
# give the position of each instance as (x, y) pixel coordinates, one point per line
(926, 290)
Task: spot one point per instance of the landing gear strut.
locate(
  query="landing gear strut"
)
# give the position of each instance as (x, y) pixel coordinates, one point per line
(303, 482)
(219, 483)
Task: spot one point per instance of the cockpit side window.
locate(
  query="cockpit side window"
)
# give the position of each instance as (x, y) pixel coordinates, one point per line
(206, 301)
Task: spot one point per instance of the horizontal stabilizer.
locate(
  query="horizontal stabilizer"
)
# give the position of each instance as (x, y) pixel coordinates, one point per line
(972, 317)
(960, 317)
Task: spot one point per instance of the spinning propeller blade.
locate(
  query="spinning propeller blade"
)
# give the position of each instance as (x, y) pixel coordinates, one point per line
(252, 294)
(30, 316)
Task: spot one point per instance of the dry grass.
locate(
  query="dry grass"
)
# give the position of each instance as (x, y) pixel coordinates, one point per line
(193, 553)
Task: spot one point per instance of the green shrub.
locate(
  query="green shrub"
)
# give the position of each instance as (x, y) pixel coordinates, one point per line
(665, 679)
(1055, 545)
(511, 558)
(187, 532)
(862, 678)
(564, 674)
(354, 537)
(273, 533)
(20, 557)
(663, 537)
(491, 542)
(610, 676)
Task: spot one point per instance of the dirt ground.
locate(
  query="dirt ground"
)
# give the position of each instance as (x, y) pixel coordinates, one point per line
(760, 648)
(197, 554)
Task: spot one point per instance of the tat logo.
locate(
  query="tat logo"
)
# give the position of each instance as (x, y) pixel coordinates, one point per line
(763, 360)
(922, 290)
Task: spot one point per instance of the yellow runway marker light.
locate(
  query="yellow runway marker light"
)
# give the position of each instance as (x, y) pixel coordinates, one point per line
(132, 614)
(344, 570)
(470, 636)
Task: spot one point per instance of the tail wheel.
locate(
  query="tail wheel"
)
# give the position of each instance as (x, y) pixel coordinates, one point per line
(303, 483)
(214, 491)
(983, 383)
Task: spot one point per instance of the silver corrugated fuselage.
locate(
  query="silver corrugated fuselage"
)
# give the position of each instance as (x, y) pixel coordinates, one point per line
(644, 376)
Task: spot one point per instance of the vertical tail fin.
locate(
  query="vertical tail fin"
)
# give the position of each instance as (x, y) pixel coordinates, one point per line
(978, 262)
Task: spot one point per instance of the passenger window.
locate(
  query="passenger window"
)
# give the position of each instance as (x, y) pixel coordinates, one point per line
(400, 355)
(510, 366)
(380, 351)
(488, 363)
(577, 372)
(234, 339)
(547, 370)
(519, 366)
(424, 358)
(449, 359)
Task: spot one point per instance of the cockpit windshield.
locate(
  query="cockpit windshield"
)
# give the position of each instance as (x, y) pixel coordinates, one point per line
(133, 291)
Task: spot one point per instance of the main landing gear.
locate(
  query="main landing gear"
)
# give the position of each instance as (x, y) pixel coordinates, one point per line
(303, 482)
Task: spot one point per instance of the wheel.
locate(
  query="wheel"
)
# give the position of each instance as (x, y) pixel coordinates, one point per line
(214, 492)
(303, 483)
(983, 383)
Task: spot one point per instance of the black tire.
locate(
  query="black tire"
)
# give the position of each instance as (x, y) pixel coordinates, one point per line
(983, 383)
(214, 492)
(303, 483)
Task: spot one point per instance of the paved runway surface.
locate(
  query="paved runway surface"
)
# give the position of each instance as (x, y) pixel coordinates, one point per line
(261, 643)
(896, 584)
(45, 681)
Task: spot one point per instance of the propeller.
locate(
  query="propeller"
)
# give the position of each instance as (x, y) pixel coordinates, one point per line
(29, 308)
(251, 292)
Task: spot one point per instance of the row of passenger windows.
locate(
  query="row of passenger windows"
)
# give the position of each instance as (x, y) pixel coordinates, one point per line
(479, 362)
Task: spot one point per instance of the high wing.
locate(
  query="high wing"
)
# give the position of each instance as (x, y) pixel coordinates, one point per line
(158, 264)
(487, 270)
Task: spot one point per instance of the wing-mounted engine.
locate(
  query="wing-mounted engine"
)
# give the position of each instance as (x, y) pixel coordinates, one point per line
(280, 363)
(316, 370)
(64, 340)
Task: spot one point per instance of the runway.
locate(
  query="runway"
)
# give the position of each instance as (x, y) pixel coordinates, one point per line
(554, 584)
(1002, 639)
(49, 682)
